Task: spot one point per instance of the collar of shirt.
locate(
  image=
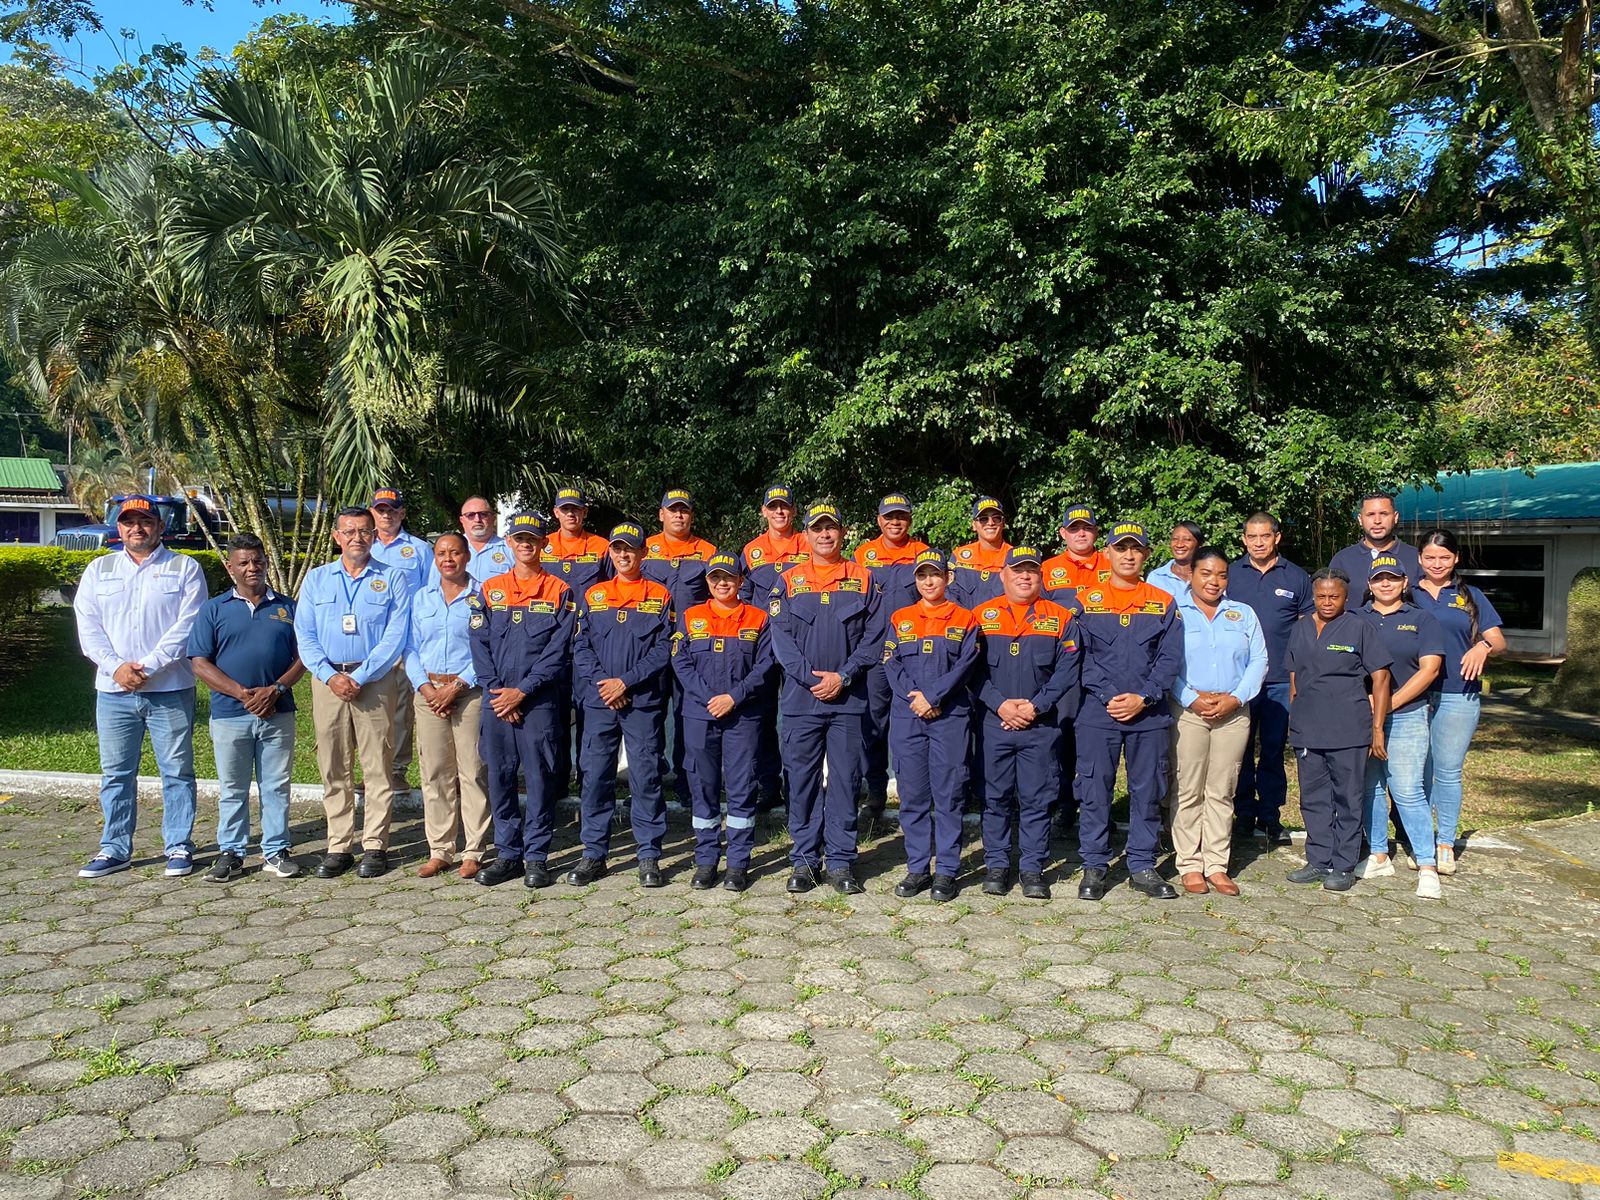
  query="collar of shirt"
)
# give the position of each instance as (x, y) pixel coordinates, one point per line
(881, 553)
(1111, 599)
(981, 557)
(560, 545)
(267, 597)
(825, 575)
(522, 592)
(126, 563)
(435, 587)
(1186, 602)
(626, 593)
(720, 623)
(664, 546)
(778, 546)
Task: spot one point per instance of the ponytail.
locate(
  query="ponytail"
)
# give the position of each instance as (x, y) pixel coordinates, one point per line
(1446, 540)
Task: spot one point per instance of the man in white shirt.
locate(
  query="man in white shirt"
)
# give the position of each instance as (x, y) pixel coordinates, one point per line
(135, 607)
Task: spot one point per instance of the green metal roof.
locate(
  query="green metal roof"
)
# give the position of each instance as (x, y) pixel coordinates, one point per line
(1568, 492)
(29, 475)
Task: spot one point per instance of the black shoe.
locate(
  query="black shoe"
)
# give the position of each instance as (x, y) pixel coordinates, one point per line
(802, 880)
(373, 864)
(227, 867)
(1243, 831)
(911, 885)
(771, 801)
(845, 883)
(586, 871)
(1339, 881)
(736, 881)
(1152, 885)
(943, 889)
(1034, 887)
(1279, 836)
(1093, 884)
(1309, 874)
(537, 875)
(705, 876)
(996, 882)
(500, 871)
(650, 874)
(334, 865)
(872, 810)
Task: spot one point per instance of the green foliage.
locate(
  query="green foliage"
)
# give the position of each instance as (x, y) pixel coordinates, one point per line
(28, 571)
(1577, 684)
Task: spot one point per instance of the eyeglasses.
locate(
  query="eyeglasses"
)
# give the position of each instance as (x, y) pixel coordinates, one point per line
(482, 515)
(991, 519)
(363, 534)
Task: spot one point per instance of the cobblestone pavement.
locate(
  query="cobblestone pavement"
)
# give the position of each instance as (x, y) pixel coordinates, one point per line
(413, 1038)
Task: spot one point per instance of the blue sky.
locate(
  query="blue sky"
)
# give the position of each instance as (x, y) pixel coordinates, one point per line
(222, 27)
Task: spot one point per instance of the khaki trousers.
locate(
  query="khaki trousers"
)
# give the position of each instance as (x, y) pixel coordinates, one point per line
(455, 783)
(1208, 758)
(403, 732)
(345, 729)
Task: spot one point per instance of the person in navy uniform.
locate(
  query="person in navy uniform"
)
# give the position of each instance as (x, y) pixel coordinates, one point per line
(763, 560)
(827, 633)
(1133, 651)
(722, 654)
(578, 558)
(1415, 641)
(928, 656)
(1279, 593)
(1335, 660)
(521, 630)
(1378, 519)
(1029, 663)
(975, 567)
(620, 666)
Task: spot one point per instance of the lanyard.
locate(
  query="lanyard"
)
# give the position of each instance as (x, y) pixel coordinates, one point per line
(350, 592)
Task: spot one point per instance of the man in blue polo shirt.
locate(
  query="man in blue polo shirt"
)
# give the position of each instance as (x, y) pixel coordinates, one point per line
(243, 648)
(1279, 592)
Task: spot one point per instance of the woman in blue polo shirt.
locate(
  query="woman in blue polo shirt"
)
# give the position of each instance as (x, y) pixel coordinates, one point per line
(1415, 642)
(1471, 637)
(1334, 656)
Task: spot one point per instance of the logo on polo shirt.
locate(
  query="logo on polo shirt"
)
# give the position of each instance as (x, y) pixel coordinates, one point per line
(379, 585)
(408, 551)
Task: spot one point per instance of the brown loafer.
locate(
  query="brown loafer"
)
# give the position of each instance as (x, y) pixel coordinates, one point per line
(432, 867)
(1194, 882)
(469, 868)
(1223, 884)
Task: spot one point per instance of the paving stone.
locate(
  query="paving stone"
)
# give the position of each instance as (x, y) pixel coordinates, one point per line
(317, 1163)
(502, 1163)
(128, 1166)
(1154, 1181)
(592, 1138)
(1098, 1093)
(955, 1139)
(209, 1183)
(425, 1135)
(1121, 1134)
(861, 1114)
(65, 1139)
(282, 1093)
(870, 1158)
(1297, 1135)
(404, 1181)
(353, 1112)
(1350, 1110)
(768, 1092)
(774, 1137)
(693, 1117)
(522, 1113)
(1055, 1159)
(958, 1181)
(1229, 1159)
(610, 1092)
(774, 1181)
(677, 1164)
(119, 1094)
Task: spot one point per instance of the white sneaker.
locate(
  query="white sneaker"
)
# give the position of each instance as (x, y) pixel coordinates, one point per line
(1373, 868)
(1427, 885)
(1447, 860)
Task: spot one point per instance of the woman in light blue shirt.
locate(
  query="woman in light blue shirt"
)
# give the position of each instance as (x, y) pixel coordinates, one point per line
(448, 706)
(1224, 662)
(1174, 575)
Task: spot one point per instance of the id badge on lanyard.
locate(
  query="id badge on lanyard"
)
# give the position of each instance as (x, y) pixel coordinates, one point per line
(348, 623)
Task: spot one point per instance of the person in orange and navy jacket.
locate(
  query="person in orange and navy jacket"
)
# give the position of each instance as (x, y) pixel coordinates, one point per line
(928, 657)
(676, 559)
(827, 633)
(890, 558)
(521, 635)
(1080, 565)
(975, 567)
(764, 559)
(1133, 652)
(1030, 662)
(722, 654)
(620, 665)
(578, 558)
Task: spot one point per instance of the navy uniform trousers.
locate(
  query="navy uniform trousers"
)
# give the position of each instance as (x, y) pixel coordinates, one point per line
(722, 754)
(1146, 752)
(930, 766)
(875, 737)
(604, 729)
(1020, 773)
(817, 813)
(1331, 786)
(530, 746)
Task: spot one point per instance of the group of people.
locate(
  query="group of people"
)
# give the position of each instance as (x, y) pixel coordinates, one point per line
(992, 676)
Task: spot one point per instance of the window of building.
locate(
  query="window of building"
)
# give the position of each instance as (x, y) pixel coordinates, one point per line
(19, 527)
(1512, 575)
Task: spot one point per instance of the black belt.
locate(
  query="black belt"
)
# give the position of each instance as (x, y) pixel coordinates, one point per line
(344, 668)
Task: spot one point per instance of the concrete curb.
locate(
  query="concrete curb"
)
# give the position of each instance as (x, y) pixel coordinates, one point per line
(71, 784)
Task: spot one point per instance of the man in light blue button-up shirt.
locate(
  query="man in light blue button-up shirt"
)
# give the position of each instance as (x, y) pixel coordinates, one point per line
(490, 556)
(135, 608)
(351, 624)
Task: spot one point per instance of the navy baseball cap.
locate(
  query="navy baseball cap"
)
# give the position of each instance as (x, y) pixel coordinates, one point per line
(987, 504)
(1079, 514)
(892, 503)
(677, 496)
(628, 534)
(823, 512)
(777, 494)
(931, 558)
(141, 504)
(1386, 564)
(726, 563)
(1019, 556)
(387, 495)
(1128, 531)
(527, 521)
(571, 497)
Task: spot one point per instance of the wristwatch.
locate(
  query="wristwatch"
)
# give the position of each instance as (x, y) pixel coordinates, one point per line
(281, 689)
(844, 679)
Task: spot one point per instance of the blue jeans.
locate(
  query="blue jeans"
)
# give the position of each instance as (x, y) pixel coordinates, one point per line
(1263, 782)
(263, 746)
(1453, 718)
(1405, 736)
(121, 719)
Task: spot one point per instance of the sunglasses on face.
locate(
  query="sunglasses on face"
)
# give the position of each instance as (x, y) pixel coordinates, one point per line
(991, 519)
(475, 516)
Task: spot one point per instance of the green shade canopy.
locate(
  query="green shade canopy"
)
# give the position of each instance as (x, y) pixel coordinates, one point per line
(1568, 492)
